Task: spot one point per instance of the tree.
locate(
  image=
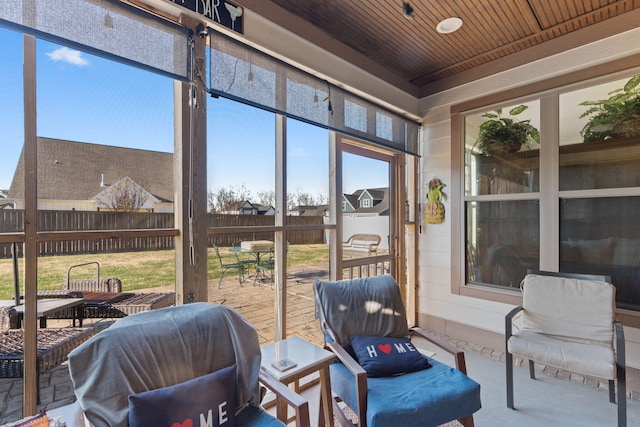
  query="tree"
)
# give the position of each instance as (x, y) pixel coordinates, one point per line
(3, 194)
(125, 195)
(227, 199)
(302, 198)
(127, 198)
(267, 198)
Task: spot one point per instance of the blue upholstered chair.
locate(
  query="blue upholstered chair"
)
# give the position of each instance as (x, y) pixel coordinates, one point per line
(373, 307)
(168, 347)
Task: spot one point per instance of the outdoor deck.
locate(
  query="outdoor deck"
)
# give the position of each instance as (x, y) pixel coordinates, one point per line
(584, 402)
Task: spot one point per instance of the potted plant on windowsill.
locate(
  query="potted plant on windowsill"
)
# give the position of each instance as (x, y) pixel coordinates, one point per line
(505, 134)
(615, 117)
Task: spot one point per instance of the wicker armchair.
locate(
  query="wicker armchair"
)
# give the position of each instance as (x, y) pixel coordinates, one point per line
(54, 344)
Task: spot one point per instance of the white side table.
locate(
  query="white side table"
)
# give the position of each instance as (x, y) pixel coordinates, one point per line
(70, 414)
(308, 358)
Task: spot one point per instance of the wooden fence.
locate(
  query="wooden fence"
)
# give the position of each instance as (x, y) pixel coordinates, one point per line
(13, 221)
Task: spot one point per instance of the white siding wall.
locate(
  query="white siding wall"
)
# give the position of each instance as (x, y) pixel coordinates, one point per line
(163, 207)
(84, 205)
(434, 243)
(66, 205)
(60, 205)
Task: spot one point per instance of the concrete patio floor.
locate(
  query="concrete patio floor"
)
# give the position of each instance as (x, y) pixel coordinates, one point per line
(548, 401)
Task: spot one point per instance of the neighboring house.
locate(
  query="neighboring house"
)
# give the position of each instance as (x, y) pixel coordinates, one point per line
(90, 177)
(245, 207)
(366, 202)
(264, 210)
(310, 210)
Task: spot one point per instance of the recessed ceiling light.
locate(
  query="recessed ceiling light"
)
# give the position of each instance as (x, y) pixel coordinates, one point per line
(449, 25)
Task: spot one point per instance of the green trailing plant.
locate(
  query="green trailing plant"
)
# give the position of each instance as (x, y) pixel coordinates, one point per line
(615, 117)
(502, 134)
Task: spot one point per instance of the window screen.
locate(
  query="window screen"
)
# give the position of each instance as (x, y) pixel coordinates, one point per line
(103, 27)
(244, 74)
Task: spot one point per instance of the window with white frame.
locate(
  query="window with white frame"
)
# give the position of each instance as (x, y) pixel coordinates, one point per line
(502, 165)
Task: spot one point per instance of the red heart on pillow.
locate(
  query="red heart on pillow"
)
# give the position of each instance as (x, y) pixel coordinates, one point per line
(385, 348)
(185, 423)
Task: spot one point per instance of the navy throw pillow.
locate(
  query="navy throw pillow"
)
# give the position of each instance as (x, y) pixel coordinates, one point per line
(206, 400)
(386, 356)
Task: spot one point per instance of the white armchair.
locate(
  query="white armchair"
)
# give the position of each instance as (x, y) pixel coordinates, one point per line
(568, 321)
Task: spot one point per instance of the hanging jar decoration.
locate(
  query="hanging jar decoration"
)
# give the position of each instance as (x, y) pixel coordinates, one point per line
(434, 209)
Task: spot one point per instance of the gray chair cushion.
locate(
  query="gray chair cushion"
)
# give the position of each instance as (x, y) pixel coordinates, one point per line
(346, 310)
(161, 348)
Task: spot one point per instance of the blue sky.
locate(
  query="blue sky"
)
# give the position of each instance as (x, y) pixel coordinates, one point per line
(89, 99)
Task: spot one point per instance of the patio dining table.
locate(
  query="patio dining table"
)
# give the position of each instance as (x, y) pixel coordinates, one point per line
(256, 248)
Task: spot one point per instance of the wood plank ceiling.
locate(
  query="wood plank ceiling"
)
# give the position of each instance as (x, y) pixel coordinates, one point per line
(492, 34)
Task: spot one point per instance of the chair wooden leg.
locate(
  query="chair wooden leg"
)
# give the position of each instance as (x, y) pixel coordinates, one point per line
(466, 421)
(37, 384)
(509, 365)
(326, 408)
(532, 370)
(342, 418)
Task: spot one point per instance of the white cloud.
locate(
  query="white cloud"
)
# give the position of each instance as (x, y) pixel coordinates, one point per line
(71, 56)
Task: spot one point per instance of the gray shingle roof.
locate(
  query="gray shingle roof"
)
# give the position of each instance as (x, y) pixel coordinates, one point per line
(69, 170)
(381, 201)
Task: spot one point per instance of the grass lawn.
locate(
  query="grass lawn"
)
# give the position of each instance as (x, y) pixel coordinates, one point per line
(137, 270)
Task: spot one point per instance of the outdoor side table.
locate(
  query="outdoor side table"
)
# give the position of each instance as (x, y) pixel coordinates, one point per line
(309, 358)
(70, 414)
(48, 306)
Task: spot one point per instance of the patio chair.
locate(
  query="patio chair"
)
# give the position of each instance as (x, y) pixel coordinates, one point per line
(249, 261)
(238, 266)
(265, 267)
(568, 321)
(389, 384)
(173, 353)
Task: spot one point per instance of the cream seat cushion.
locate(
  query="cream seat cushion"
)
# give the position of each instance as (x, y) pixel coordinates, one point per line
(588, 359)
(257, 245)
(578, 310)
